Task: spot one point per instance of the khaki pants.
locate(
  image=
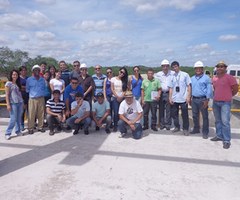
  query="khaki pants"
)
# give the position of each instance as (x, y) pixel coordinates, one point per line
(36, 109)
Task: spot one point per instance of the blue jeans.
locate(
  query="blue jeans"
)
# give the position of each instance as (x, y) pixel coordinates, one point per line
(222, 114)
(15, 118)
(137, 133)
(197, 106)
(85, 123)
(115, 105)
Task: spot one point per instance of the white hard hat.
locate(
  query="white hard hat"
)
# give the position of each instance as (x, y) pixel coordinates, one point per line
(165, 62)
(36, 67)
(83, 65)
(198, 64)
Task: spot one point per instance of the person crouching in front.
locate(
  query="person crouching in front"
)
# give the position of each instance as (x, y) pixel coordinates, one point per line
(80, 111)
(55, 112)
(130, 113)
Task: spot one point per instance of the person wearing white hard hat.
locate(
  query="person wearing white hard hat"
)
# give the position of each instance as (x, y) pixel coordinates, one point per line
(87, 83)
(35, 86)
(201, 93)
(164, 77)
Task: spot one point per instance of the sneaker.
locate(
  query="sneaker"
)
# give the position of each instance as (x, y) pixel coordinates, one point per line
(145, 128)
(115, 129)
(7, 137)
(226, 145)
(107, 131)
(30, 132)
(205, 136)
(51, 132)
(194, 132)
(175, 130)
(216, 138)
(186, 132)
(154, 128)
(97, 128)
(75, 132)
(41, 130)
(121, 135)
(86, 132)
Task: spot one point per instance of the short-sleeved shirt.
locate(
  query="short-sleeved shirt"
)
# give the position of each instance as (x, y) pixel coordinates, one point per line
(69, 93)
(148, 86)
(35, 87)
(85, 107)
(117, 85)
(164, 79)
(130, 111)
(181, 80)
(223, 87)
(57, 85)
(15, 95)
(100, 109)
(55, 107)
(98, 83)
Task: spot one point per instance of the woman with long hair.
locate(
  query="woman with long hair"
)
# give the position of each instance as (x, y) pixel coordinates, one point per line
(119, 85)
(135, 83)
(14, 102)
(52, 69)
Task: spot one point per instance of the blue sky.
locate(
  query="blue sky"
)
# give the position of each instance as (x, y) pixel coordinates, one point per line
(124, 32)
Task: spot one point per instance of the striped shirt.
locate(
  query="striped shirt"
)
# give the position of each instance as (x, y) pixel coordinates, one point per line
(55, 107)
(98, 83)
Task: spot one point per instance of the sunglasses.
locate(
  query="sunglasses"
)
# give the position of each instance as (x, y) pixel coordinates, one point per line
(122, 72)
(109, 72)
(97, 68)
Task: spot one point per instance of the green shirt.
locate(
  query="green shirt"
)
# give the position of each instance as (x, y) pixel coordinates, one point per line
(148, 86)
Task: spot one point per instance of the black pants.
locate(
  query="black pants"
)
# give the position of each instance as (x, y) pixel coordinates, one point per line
(175, 112)
(165, 111)
(53, 122)
(153, 107)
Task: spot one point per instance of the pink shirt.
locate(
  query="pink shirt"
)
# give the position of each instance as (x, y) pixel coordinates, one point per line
(223, 87)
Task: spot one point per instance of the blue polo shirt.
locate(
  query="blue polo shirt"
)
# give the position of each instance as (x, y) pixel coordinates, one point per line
(201, 86)
(35, 87)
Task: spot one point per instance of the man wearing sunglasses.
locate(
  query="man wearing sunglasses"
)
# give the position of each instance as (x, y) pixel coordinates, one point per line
(76, 70)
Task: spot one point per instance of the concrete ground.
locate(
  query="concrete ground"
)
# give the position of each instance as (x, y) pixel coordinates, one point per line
(98, 166)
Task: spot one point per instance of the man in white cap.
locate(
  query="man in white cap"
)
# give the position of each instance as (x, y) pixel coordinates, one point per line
(35, 86)
(164, 78)
(130, 113)
(201, 93)
(87, 83)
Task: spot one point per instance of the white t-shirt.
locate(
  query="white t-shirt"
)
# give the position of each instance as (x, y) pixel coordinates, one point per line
(117, 86)
(57, 85)
(130, 111)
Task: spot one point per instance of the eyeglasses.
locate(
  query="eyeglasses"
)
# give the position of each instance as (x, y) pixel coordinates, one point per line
(109, 72)
(122, 72)
(75, 83)
(97, 68)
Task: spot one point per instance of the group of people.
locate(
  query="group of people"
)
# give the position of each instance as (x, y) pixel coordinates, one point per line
(75, 100)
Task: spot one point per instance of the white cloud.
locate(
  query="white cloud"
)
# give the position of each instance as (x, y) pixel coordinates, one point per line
(45, 35)
(4, 4)
(4, 40)
(19, 21)
(150, 5)
(47, 2)
(101, 25)
(24, 37)
(228, 37)
(199, 47)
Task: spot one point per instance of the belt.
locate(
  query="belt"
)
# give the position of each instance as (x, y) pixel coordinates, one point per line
(202, 97)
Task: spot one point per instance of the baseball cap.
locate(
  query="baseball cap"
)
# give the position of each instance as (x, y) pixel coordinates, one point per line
(128, 94)
(100, 94)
